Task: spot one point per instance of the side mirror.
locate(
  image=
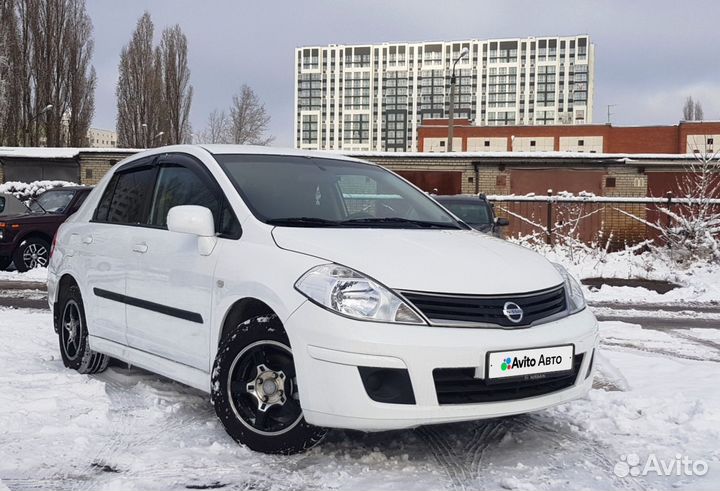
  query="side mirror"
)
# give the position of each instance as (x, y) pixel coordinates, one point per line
(195, 220)
(501, 222)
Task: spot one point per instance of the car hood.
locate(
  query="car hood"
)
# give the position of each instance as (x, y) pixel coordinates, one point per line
(32, 218)
(446, 261)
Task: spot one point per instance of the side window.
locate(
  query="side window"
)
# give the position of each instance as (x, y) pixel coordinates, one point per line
(101, 212)
(180, 186)
(128, 203)
(177, 186)
(79, 202)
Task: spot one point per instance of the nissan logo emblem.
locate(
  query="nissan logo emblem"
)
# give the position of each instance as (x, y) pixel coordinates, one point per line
(513, 312)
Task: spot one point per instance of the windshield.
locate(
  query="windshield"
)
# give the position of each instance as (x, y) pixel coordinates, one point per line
(318, 192)
(53, 201)
(474, 213)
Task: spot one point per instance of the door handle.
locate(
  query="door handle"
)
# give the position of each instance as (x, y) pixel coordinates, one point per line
(141, 248)
(87, 239)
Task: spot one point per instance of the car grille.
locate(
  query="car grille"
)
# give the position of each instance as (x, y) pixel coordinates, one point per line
(459, 385)
(450, 309)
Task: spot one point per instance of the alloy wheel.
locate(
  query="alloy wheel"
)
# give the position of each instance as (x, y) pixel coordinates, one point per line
(262, 388)
(71, 330)
(35, 256)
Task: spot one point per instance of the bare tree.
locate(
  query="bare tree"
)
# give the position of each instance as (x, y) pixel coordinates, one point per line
(218, 129)
(81, 77)
(699, 115)
(689, 109)
(48, 52)
(139, 95)
(692, 110)
(248, 119)
(177, 91)
(5, 74)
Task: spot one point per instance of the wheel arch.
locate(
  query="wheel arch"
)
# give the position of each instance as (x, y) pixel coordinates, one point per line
(240, 311)
(35, 234)
(66, 280)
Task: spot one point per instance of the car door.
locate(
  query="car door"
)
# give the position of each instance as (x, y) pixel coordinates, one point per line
(104, 248)
(170, 284)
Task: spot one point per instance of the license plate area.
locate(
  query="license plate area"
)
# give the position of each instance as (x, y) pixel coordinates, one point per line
(529, 364)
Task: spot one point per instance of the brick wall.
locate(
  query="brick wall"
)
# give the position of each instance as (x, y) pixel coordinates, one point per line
(670, 139)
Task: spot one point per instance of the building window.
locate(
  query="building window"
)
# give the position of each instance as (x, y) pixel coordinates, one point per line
(532, 143)
(487, 143)
(581, 143)
(442, 143)
(610, 182)
(710, 141)
(88, 173)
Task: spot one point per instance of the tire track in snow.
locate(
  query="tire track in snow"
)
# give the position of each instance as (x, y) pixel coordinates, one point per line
(462, 461)
(591, 450)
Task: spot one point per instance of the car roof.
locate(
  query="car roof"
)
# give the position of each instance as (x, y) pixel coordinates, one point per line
(461, 197)
(216, 149)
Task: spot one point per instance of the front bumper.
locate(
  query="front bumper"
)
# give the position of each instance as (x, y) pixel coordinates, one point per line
(328, 350)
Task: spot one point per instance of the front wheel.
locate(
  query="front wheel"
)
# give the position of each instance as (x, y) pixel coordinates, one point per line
(32, 253)
(255, 391)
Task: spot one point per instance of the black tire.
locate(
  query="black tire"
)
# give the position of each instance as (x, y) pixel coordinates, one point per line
(282, 429)
(32, 253)
(5, 262)
(73, 334)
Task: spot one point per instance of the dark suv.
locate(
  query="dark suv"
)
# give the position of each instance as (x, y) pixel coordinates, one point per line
(476, 211)
(25, 239)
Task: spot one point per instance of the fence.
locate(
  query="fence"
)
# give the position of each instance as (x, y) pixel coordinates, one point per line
(609, 221)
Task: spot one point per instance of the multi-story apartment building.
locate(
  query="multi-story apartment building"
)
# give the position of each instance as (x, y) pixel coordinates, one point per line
(98, 138)
(374, 97)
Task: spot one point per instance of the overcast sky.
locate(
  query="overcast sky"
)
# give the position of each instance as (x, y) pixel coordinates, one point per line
(649, 54)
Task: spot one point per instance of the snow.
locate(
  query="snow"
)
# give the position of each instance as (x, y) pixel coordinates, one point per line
(58, 152)
(37, 274)
(24, 191)
(699, 282)
(127, 429)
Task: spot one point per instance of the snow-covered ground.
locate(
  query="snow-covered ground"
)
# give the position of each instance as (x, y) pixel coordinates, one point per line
(126, 429)
(697, 283)
(37, 274)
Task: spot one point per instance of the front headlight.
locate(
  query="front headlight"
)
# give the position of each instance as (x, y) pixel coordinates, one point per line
(347, 292)
(576, 299)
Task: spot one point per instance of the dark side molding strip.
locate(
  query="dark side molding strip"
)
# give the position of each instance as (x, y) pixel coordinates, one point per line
(144, 304)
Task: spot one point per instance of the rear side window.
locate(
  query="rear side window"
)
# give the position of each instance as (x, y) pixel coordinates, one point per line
(2, 203)
(129, 201)
(101, 213)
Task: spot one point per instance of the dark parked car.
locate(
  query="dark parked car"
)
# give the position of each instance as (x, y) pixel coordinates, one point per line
(26, 238)
(476, 211)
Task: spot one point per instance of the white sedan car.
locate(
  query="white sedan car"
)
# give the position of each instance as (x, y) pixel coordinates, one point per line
(303, 291)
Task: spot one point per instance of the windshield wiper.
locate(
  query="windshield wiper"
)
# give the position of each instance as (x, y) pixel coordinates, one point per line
(390, 221)
(303, 222)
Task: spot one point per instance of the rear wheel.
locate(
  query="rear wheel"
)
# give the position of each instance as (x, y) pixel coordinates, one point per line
(255, 391)
(32, 253)
(73, 334)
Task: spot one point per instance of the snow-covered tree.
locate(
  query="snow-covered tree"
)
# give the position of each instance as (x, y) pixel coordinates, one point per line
(691, 226)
